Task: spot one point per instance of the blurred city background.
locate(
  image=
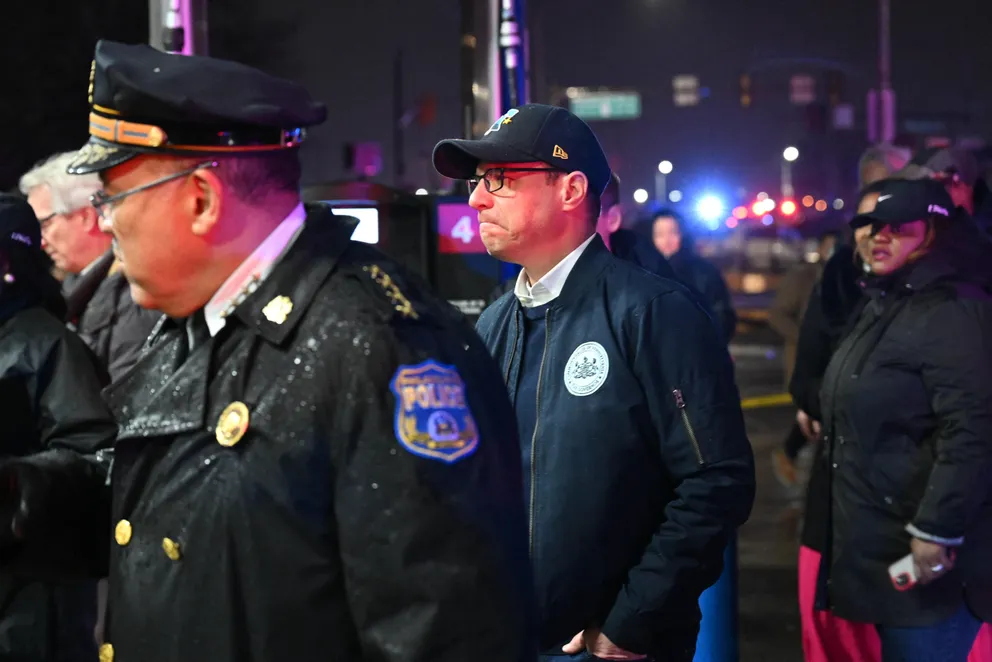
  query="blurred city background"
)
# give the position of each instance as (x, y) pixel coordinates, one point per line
(747, 118)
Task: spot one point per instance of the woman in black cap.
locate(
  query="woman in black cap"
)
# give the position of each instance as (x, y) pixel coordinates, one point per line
(907, 430)
(50, 402)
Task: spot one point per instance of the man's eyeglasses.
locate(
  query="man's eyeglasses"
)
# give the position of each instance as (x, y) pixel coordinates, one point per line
(494, 178)
(104, 203)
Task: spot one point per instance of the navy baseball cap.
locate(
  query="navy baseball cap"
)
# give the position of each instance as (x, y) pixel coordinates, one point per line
(532, 132)
(903, 201)
(145, 101)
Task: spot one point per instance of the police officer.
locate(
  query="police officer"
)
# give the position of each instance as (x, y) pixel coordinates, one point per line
(633, 439)
(315, 458)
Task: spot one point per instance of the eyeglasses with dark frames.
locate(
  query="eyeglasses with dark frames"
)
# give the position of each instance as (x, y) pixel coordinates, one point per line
(494, 178)
(104, 203)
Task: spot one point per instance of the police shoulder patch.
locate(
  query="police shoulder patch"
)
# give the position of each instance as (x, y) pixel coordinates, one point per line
(433, 419)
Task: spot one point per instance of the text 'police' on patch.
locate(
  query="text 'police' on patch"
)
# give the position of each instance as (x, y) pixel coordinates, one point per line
(432, 415)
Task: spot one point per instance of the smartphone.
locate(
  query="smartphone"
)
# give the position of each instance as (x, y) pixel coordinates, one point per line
(903, 573)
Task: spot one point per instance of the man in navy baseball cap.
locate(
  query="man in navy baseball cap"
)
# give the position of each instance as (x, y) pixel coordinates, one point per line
(624, 398)
(536, 177)
(530, 133)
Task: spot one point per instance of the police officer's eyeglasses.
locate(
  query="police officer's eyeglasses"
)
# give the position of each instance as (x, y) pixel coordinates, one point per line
(104, 203)
(493, 178)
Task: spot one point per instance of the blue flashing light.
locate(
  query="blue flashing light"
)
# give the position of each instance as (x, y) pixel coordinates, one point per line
(711, 210)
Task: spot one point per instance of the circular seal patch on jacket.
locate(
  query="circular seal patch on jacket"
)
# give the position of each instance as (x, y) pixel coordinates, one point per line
(586, 369)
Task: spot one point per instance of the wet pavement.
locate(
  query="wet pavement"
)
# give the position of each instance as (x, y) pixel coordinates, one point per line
(768, 543)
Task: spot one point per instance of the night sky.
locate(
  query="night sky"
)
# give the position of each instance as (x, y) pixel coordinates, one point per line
(343, 50)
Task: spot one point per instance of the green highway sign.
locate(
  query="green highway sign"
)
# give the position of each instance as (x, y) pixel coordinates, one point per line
(606, 105)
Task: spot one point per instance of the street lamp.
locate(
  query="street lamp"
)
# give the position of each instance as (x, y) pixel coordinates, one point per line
(788, 157)
(640, 196)
(660, 184)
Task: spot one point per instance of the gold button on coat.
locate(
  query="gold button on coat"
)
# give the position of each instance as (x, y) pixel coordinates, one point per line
(171, 548)
(122, 532)
(232, 424)
(106, 653)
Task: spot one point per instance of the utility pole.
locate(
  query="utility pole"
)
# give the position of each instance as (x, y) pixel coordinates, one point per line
(887, 95)
(178, 26)
(882, 102)
(513, 53)
(468, 55)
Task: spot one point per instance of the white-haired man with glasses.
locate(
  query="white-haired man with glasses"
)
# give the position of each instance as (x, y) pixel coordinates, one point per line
(98, 298)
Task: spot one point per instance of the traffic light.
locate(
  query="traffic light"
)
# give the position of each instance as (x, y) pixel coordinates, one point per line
(745, 85)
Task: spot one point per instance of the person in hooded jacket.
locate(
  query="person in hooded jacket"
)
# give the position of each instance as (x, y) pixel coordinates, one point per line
(673, 241)
(626, 244)
(906, 423)
(50, 393)
(834, 300)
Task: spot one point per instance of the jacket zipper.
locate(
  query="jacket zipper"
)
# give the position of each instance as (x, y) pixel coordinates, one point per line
(680, 404)
(513, 353)
(533, 439)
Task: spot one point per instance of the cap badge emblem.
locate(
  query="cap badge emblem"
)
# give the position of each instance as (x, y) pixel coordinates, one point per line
(559, 153)
(277, 310)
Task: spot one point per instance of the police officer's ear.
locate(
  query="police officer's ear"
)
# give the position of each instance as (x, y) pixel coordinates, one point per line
(574, 189)
(207, 202)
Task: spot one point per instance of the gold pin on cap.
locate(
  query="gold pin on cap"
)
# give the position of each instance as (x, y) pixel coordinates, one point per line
(232, 424)
(277, 310)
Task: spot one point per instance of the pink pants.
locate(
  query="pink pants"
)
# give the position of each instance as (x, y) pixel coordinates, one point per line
(827, 638)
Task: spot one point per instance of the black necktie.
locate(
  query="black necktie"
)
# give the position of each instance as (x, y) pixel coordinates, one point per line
(197, 331)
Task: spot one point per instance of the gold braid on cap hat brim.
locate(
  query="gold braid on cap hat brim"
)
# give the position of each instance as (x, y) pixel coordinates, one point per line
(150, 136)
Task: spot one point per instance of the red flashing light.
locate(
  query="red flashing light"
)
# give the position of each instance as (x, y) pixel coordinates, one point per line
(788, 207)
(758, 208)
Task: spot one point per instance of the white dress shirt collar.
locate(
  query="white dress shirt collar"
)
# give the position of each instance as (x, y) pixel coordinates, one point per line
(253, 271)
(550, 285)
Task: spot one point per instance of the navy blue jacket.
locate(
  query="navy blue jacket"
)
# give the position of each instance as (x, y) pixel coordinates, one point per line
(639, 466)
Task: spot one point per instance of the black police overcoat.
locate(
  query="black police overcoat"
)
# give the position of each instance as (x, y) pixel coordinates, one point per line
(333, 476)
